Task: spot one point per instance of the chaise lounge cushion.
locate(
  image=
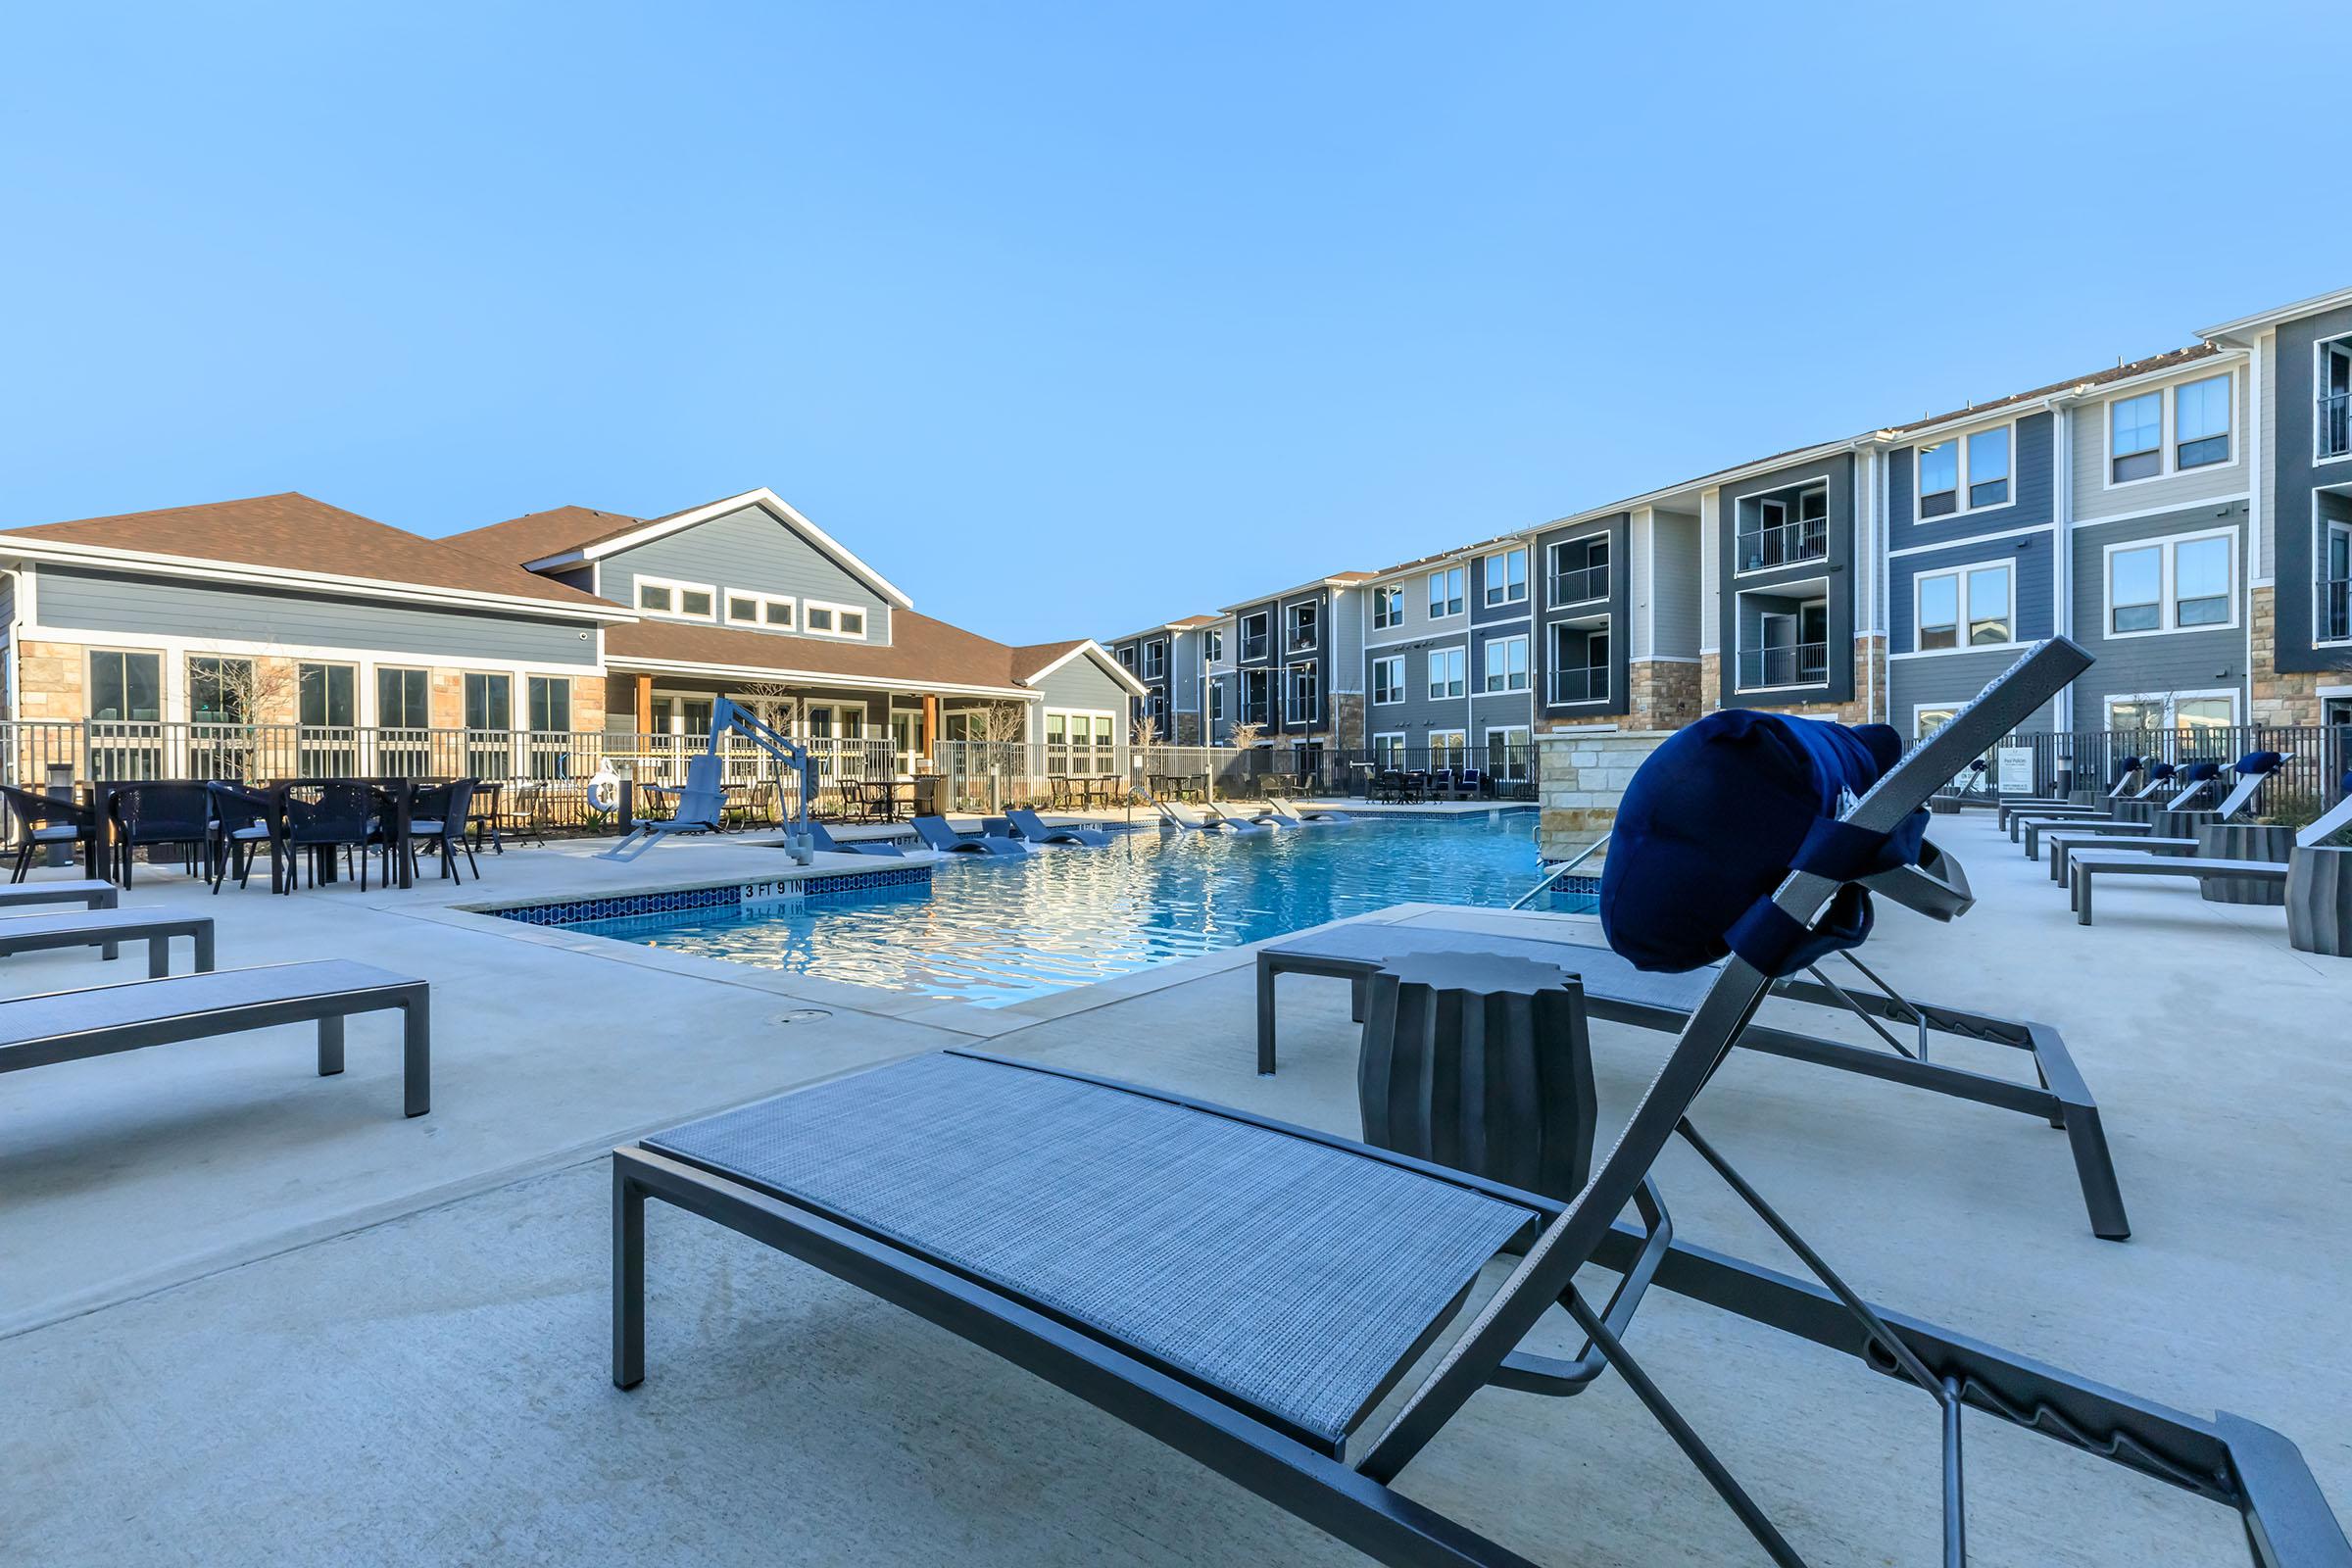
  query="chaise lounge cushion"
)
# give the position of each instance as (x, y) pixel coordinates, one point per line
(1720, 814)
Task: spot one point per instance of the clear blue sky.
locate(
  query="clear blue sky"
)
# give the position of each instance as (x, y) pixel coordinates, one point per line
(1186, 300)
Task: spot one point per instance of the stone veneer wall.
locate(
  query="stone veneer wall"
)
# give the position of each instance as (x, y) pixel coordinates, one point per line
(1869, 706)
(2284, 697)
(1584, 773)
(1663, 694)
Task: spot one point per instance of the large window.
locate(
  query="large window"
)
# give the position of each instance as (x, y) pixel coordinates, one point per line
(1212, 644)
(1303, 694)
(1970, 607)
(489, 702)
(1156, 658)
(1448, 748)
(1445, 593)
(551, 703)
(1974, 467)
(2135, 437)
(1447, 672)
(2150, 434)
(2172, 585)
(1506, 577)
(400, 699)
(2184, 712)
(220, 689)
(1388, 607)
(1301, 622)
(1939, 479)
(127, 687)
(1387, 680)
(1387, 753)
(325, 695)
(1256, 699)
(2201, 423)
(1506, 665)
(1253, 636)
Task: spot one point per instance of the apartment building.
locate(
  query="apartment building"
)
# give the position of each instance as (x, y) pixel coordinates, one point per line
(1294, 660)
(1171, 662)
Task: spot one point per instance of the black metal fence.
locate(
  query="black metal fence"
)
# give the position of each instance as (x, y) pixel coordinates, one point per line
(2310, 781)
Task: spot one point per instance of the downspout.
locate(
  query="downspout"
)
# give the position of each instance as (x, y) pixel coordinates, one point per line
(2062, 544)
(2255, 515)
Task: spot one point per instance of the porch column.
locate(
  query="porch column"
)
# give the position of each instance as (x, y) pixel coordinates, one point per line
(641, 702)
(930, 736)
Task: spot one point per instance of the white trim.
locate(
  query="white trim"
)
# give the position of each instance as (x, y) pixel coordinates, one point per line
(809, 628)
(1947, 706)
(2216, 503)
(106, 557)
(677, 522)
(1819, 482)
(2318, 305)
(759, 602)
(1372, 593)
(2170, 701)
(1959, 575)
(1526, 576)
(1441, 639)
(1315, 601)
(1091, 649)
(1961, 465)
(808, 677)
(2167, 398)
(2164, 545)
(1434, 687)
(1437, 573)
(2324, 531)
(1973, 539)
(1527, 657)
(678, 589)
(2318, 381)
(1379, 701)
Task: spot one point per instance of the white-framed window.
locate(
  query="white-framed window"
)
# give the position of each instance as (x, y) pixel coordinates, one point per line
(1505, 577)
(1448, 671)
(1929, 718)
(680, 600)
(1965, 606)
(1448, 748)
(748, 609)
(2334, 623)
(1506, 665)
(2332, 413)
(1388, 752)
(1967, 474)
(1212, 645)
(1216, 701)
(1445, 593)
(2172, 430)
(1303, 694)
(1387, 680)
(1388, 606)
(1507, 751)
(2185, 584)
(1302, 625)
(2186, 712)
(1127, 656)
(1156, 658)
(1253, 636)
(821, 619)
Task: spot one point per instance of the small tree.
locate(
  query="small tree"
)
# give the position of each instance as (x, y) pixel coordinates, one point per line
(1003, 726)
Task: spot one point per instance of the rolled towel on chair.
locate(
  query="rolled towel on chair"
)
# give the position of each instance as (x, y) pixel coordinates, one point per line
(2198, 773)
(2257, 763)
(2124, 769)
(1720, 814)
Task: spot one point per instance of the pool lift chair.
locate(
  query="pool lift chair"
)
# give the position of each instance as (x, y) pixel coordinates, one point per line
(702, 802)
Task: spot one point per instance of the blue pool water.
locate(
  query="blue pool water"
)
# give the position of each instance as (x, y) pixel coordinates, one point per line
(995, 931)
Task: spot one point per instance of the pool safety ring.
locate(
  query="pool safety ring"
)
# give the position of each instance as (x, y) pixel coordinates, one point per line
(604, 789)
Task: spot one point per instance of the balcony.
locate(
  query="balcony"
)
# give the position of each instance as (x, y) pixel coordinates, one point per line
(1789, 664)
(1581, 586)
(2335, 425)
(1785, 544)
(2335, 609)
(1580, 685)
(1253, 647)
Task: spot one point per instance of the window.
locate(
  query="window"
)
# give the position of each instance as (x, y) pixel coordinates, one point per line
(1445, 593)
(2201, 423)
(2135, 438)
(746, 609)
(832, 620)
(1300, 622)
(325, 695)
(220, 689)
(1926, 722)
(1387, 680)
(1506, 577)
(1387, 753)
(1580, 569)
(1975, 466)
(1216, 702)
(1214, 644)
(1302, 689)
(1446, 672)
(2333, 436)
(2335, 585)
(1506, 665)
(852, 623)
(689, 600)
(1253, 636)
(1507, 753)
(400, 699)
(1990, 608)
(1448, 748)
(551, 703)
(1256, 695)
(2186, 712)
(127, 687)
(1388, 607)
(1127, 656)
(1939, 479)
(1989, 467)
(490, 701)
(1155, 660)
(2186, 584)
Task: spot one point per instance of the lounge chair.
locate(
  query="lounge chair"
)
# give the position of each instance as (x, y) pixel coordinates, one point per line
(821, 839)
(2086, 867)
(42, 823)
(69, 1026)
(700, 807)
(2247, 774)
(1253, 1295)
(109, 929)
(1241, 818)
(1027, 825)
(1290, 815)
(2158, 775)
(936, 835)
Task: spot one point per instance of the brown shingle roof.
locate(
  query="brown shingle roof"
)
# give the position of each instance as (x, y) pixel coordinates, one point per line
(2152, 365)
(536, 535)
(296, 532)
(922, 651)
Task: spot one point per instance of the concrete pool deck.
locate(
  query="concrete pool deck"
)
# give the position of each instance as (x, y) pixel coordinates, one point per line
(277, 1322)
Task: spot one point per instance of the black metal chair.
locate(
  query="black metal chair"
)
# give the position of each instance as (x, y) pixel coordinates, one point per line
(439, 817)
(242, 822)
(155, 816)
(322, 818)
(43, 823)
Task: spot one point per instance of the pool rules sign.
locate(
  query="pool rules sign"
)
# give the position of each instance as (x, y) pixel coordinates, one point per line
(2013, 767)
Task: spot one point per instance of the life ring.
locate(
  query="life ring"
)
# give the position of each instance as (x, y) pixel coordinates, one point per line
(604, 789)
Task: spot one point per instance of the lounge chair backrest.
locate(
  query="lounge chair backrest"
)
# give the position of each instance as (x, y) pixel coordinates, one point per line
(1568, 1243)
(935, 832)
(2330, 823)
(2159, 776)
(2126, 770)
(2249, 771)
(2196, 775)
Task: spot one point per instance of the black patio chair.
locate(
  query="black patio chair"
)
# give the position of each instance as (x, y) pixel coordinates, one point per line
(41, 823)
(322, 818)
(157, 815)
(243, 821)
(439, 817)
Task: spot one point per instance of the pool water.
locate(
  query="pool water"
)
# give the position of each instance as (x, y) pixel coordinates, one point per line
(996, 930)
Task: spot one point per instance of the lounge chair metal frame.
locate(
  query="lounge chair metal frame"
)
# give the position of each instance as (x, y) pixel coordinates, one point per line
(2084, 867)
(2226, 1459)
(109, 929)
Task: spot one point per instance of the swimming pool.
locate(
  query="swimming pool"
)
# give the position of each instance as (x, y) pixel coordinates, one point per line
(997, 930)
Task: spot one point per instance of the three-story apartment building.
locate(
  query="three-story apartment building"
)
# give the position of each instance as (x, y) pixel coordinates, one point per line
(1295, 658)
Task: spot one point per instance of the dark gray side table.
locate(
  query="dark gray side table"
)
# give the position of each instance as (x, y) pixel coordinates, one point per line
(2243, 841)
(1482, 1063)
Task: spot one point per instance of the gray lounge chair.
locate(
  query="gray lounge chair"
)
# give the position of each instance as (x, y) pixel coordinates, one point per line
(108, 929)
(2158, 775)
(935, 834)
(824, 841)
(1292, 814)
(69, 1025)
(1116, 1227)
(1027, 825)
(2086, 867)
(1240, 818)
(2248, 774)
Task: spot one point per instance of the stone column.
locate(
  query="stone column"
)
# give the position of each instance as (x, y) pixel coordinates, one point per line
(1584, 775)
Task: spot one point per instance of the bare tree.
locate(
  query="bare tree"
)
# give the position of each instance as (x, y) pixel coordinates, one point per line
(1245, 746)
(1147, 731)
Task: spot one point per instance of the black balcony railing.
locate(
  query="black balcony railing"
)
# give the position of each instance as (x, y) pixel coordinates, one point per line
(1792, 664)
(1580, 685)
(1785, 544)
(2335, 425)
(1581, 586)
(2335, 609)
(1301, 640)
(1252, 647)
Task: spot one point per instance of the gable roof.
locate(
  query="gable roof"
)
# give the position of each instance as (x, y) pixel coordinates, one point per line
(922, 653)
(546, 540)
(1035, 662)
(291, 535)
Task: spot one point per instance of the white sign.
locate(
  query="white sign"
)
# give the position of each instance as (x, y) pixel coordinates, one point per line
(2013, 767)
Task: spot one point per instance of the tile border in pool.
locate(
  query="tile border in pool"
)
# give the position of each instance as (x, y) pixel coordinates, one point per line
(1462, 813)
(757, 892)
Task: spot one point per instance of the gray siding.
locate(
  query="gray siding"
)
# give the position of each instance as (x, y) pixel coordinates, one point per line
(1481, 613)
(750, 549)
(1675, 587)
(99, 602)
(1417, 623)
(2297, 561)
(2032, 475)
(2094, 498)
(2029, 559)
(1083, 684)
(1618, 531)
(1418, 714)
(2174, 663)
(1949, 680)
